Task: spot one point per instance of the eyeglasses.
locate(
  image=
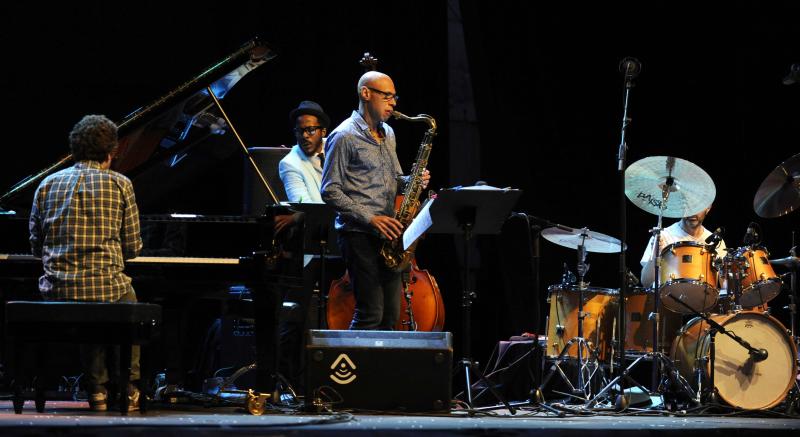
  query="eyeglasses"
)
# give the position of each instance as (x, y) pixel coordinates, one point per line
(386, 96)
(311, 130)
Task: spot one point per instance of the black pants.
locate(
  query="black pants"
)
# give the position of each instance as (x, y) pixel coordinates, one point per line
(376, 288)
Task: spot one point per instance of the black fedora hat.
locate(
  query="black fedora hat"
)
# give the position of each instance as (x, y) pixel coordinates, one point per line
(307, 107)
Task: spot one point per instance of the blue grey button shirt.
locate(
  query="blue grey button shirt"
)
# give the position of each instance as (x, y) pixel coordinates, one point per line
(361, 175)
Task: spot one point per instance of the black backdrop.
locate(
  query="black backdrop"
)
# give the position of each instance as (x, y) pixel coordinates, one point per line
(547, 89)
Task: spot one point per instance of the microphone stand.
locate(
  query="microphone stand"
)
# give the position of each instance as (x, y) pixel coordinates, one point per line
(631, 68)
(757, 354)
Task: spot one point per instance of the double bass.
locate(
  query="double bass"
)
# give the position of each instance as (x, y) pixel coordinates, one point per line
(421, 306)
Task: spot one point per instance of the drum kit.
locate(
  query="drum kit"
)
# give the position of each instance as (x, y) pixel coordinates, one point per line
(704, 324)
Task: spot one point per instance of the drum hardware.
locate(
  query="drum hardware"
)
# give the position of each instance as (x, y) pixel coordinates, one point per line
(791, 262)
(667, 187)
(587, 358)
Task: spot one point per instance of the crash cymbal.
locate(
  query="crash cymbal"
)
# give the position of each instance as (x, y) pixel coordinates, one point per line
(779, 194)
(691, 189)
(788, 262)
(593, 242)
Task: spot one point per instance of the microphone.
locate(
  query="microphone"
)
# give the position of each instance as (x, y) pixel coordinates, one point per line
(751, 236)
(793, 76)
(715, 236)
(633, 281)
(759, 354)
(631, 67)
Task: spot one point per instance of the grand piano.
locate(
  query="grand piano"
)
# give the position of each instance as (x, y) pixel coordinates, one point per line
(169, 149)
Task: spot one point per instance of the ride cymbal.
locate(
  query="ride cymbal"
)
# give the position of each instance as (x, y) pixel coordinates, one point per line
(789, 262)
(779, 194)
(690, 188)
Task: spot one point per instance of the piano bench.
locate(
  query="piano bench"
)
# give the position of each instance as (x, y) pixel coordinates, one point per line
(122, 324)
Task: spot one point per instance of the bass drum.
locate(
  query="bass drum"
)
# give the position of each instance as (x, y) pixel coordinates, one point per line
(740, 381)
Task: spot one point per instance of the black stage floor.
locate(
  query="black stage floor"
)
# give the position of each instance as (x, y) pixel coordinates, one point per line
(73, 418)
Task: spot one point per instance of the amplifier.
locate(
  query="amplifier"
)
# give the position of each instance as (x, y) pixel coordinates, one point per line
(380, 370)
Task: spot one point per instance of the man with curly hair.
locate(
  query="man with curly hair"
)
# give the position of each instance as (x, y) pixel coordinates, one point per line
(84, 224)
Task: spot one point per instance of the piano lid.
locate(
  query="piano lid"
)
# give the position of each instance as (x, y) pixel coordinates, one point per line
(161, 130)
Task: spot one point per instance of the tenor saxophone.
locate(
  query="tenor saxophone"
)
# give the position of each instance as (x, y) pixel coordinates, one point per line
(392, 251)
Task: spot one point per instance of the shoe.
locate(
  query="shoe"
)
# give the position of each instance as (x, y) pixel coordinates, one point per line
(168, 393)
(133, 398)
(98, 401)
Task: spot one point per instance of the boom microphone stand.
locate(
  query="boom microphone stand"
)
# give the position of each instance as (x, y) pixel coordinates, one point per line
(630, 67)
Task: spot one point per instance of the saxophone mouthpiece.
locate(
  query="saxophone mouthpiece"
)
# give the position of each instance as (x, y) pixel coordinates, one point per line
(400, 116)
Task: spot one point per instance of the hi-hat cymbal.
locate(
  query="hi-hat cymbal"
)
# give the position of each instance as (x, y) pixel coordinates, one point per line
(779, 194)
(690, 188)
(593, 241)
(788, 262)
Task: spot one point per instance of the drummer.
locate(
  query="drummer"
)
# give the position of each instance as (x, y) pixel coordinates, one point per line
(686, 229)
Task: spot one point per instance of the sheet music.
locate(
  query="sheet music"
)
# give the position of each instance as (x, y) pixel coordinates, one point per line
(419, 225)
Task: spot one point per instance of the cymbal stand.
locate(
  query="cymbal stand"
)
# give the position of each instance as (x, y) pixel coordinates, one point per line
(658, 358)
(587, 357)
(793, 399)
(793, 295)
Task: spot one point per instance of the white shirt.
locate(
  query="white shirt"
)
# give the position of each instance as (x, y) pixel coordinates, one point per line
(675, 233)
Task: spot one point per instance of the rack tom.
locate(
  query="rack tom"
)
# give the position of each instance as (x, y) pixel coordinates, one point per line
(687, 273)
(760, 284)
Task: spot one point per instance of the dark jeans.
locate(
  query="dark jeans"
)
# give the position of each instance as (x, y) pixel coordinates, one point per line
(94, 358)
(377, 289)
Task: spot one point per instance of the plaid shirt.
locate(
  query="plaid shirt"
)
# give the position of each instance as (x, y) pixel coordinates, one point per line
(84, 222)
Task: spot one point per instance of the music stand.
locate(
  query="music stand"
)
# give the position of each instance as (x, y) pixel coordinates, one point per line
(318, 231)
(468, 212)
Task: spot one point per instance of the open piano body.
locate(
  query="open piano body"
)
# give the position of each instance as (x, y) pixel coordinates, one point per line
(167, 149)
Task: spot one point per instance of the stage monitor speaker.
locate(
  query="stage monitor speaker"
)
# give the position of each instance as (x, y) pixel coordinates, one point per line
(380, 370)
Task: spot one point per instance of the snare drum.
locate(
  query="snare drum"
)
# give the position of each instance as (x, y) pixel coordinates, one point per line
(739, 380)
(562, 323)
(639, 304)
(760, 284)
(687, 274)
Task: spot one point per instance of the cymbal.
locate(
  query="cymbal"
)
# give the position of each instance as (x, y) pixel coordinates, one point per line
(691, 191)
(594, 241)
(779, 194)
(788, 262)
